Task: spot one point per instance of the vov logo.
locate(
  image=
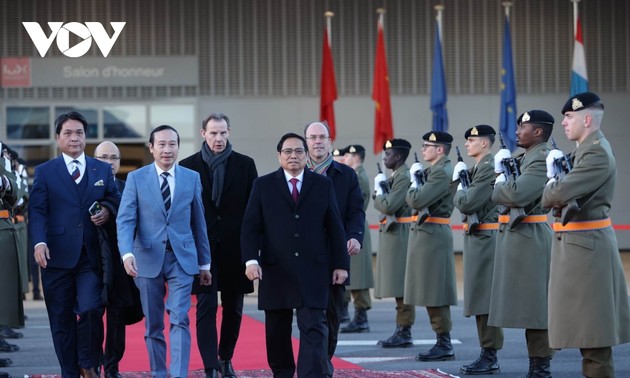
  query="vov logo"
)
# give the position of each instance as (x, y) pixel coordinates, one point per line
(61, 32)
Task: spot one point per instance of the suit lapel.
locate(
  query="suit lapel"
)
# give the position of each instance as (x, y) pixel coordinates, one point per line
(64, 176)
(283, 187)
(153, 183)
(90, 176)
(307, 183)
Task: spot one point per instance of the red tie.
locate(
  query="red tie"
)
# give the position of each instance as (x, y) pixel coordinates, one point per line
(294, 190)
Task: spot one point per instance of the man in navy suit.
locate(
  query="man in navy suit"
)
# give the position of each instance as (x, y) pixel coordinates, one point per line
(292, 233)
(66, 245)
(162, 239)
(350, 204)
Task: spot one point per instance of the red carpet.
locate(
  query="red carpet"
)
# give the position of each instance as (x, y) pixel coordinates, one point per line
(431, 373)
(250, 353)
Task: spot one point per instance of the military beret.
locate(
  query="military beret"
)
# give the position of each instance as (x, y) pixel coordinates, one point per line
(479, 130)
(355, 149)
(582, 101)
(438, 137)
(396, 143)
(539, 117)
(339, 151)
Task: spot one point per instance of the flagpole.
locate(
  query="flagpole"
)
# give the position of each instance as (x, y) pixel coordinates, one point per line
(381, 17)
(439, 8)
(507, 5)
(575, 16)
(329, 15)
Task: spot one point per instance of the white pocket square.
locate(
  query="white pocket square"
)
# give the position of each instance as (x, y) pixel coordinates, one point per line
(99, 183)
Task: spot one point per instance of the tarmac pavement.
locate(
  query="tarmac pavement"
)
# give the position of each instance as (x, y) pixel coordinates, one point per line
(37, 356)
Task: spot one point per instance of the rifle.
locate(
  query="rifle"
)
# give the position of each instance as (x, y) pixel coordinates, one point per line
(464, 178)
(512, 171)
(563, 167)
(421, 179)
(389, 219)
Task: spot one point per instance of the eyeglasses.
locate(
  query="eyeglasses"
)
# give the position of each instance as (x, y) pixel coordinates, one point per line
(290, 151)
(317, 137)
(107, 157)
(427, 145)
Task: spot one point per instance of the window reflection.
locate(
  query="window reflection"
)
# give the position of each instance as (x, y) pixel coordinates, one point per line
(30, 122)
(124, 121)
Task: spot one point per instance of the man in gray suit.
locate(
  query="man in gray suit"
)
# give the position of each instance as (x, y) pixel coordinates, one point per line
(162, 239)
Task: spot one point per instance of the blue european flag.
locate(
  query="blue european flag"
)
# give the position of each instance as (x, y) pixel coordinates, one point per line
(508, 92)
(438, 85)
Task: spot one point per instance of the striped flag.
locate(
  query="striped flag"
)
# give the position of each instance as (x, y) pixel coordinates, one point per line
(579, 79)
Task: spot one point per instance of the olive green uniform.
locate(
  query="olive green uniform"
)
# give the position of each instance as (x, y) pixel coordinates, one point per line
(361, 273)
(11, 306)
(588, 300)
(391, 257)
(522, 258)
(479, 250)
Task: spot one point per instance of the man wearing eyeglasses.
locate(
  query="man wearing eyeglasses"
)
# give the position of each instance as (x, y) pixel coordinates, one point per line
(293, 241)
(121, 296)
(350, 204)
(430, 275)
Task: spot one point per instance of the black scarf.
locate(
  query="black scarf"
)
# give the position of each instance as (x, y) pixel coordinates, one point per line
(216, 163)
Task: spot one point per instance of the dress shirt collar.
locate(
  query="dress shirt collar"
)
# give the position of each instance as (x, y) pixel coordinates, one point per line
(67, 159)
(160, 170)
(288, 176)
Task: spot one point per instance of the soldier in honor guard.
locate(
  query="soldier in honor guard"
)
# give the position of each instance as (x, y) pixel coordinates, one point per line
(391, 257)
(430, 277)
(521, 264)
(480, 231)
(362, 277)
(339, 155)
(588, 300)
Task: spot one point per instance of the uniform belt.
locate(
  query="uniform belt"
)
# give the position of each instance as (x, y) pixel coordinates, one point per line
(528, 219)
(583, 225)
(483, 226)
(4, 214)
(437, 220)
(402, 220)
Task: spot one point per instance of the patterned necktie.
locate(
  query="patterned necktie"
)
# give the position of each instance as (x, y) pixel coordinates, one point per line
(76, 173)
(166, 190)
(294, 190)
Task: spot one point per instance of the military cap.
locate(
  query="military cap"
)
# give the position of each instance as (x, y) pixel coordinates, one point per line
(438, 137)
(396, 143)
(479, 130)
(539, 117)
(339, 151)
(582, 101)
(355, 149)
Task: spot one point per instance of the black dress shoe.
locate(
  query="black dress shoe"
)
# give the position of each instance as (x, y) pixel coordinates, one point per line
(227, 371)
(113, 374)
(4, 362)
(4, 375)
(88, 373)
(212, 373)
(38, 297)
(8, 333)
(6, 347)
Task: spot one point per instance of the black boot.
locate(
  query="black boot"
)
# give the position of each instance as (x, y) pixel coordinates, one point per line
(359, 324)
(487, 363)
(345, 316)
(539, 367)
(400, 339)
(441, 351)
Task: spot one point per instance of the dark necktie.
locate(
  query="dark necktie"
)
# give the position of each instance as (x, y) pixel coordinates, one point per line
(166, 191)
(294, 189)
(76, 173)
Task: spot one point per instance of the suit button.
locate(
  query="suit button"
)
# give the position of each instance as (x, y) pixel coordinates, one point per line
(167, 223)
(296, 216)
(218, 217)
(163, 241)
(297, 235)
(80, 225)
(296, 254)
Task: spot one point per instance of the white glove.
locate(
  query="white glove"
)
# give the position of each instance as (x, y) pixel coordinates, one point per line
(551, 181)
(551, 167)
(500, 178)
(377, 183)
(415, 167)
(460, 166)
(498, 158)
(460, 187)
